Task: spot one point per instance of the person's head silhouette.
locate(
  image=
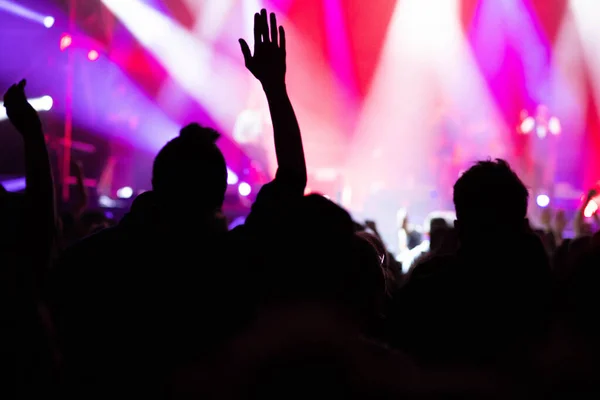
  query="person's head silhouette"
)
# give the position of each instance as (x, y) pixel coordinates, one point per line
(490, 199)
(189, 172)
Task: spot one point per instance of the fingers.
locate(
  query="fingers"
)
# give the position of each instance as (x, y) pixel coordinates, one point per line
(246, 52)
(282, 40)
(265, 31)
(264, 22)
(257, 31)
(16, 93)
(274, 34)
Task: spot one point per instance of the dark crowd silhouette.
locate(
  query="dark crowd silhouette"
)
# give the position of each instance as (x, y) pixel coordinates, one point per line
(300, 301)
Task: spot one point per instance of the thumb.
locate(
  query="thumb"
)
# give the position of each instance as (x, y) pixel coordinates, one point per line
(246, 52)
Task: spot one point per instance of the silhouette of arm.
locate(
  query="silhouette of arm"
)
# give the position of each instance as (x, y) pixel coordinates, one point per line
(268, 65)
(286, 131)
(39, 193)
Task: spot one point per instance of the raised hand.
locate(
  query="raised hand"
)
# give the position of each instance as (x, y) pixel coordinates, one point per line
(268, 66)
(560, 222)
(546, 218)
(268, 62)
(20, 113)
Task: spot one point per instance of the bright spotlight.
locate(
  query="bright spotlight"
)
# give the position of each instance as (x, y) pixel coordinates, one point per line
(65, 42)
(93, 55)
(590, 209)
(16, 9)
(49, 22)
(232, 178)
(420, 33)
(527, 125)
(541, 131)
(543, 200)
(554, 126)
(125, 192)
(44, 103)
(244, 189)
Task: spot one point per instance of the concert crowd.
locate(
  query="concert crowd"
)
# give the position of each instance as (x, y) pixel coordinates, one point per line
(301, 300)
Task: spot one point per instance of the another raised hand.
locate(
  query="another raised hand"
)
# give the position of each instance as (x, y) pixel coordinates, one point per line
(34, 249)
(560, 223)
(39, 192)
(268, 64)
(20, 113)
(546, 219)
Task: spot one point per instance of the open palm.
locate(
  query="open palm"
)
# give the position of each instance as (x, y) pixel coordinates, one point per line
(268, 62)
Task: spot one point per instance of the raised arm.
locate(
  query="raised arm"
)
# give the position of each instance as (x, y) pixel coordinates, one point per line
(268, 65)
(39, 193)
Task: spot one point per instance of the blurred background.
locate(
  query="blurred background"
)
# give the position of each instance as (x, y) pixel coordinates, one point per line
(395, 97)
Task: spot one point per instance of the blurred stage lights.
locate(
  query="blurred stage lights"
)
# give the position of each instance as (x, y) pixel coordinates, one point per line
(14, 185)
(244, 189)
(125, 192)
(554, 126)
(527, 125)
(14, 8)
(49, 22)
(590, 209)
(65, 42)
(232, 177)
(541, 123)
(106, 202)
(44, 103)
(543, 200)
(93, 55)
